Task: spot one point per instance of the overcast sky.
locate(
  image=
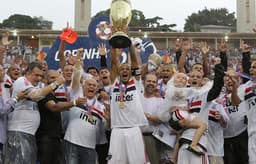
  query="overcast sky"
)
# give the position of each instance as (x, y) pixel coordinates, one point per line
(61, 11)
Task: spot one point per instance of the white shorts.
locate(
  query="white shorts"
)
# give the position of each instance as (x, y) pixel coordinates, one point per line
(126, 146)
(178, 115)
(187, 157)
(252, 149)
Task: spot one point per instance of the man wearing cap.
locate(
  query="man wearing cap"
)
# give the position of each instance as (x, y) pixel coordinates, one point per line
(154, 61)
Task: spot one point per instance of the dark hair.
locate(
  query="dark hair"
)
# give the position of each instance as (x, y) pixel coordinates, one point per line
(103, 68)
(197, 64)
(67, 65)
(33, 65)
(92, 67)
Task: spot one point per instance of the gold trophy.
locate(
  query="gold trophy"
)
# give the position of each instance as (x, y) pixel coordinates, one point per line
(120, 17)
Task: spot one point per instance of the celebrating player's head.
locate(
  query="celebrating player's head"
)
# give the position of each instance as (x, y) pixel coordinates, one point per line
(195, 78)
(124, 72)
(150, 84)
(90, 88)
(197, 67)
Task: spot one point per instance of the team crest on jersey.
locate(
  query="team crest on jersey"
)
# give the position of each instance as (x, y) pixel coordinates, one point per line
(88, 118)
(195, 105)
(232, 109)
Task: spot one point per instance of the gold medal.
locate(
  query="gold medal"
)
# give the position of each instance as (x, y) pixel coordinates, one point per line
(90, 118)
(121, 105)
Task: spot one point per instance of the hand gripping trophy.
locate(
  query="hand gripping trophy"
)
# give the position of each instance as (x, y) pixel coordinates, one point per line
(120, 17)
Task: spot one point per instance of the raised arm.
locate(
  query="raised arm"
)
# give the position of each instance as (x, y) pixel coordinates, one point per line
(218, 83)
(77, 71)
(103, 53)
(178, 47)
(62, 60)
(186, 46)
(205, 52)
(235, 100)
(134, 62)
(115, 62)
(246, 59)
(223, 54)
(2, 50)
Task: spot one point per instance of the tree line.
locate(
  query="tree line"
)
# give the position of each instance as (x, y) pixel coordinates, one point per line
(192, 23)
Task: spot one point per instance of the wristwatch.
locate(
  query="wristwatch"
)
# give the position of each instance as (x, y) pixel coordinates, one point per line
(54, 85)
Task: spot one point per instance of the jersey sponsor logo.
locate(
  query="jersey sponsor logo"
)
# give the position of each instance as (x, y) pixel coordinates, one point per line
(128, 95)
(125, 97)
(232, 109)
(252, 102)
(87, 118)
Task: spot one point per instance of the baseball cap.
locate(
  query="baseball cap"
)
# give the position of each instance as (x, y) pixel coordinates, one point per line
(155, 59)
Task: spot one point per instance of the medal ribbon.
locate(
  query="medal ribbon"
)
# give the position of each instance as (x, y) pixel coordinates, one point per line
(161, 89)
(122, 90)
(90, 108)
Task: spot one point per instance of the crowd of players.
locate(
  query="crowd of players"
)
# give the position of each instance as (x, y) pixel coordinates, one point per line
(131, 113)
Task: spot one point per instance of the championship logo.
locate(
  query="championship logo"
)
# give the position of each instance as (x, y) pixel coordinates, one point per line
(103, 30)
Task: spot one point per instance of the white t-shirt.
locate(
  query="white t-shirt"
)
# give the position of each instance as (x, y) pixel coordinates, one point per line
(62, 93)
(152, 106)
(236, 124)
(25, 117)
(215, 145)
(82, 130)
(131, 114)
(247, 93)
(7, 86)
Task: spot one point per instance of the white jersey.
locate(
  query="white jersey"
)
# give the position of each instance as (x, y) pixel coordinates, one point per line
(62, 93)
(128, 113)
(25, 117)
(152, 106)
(215, 145)
(85, 124)
(198, 108)
(7, 87)
(236, 124)
(247, 93)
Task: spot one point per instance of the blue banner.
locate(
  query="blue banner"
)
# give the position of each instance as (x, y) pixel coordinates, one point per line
(99, 32)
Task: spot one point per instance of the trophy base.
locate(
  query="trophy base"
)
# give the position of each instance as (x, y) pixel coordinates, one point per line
(120, 40)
